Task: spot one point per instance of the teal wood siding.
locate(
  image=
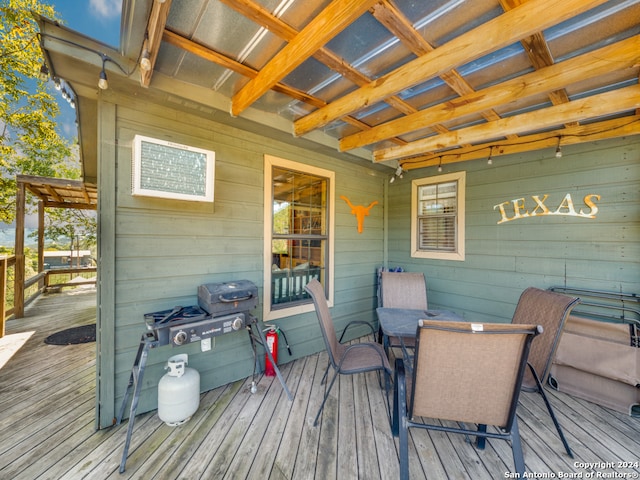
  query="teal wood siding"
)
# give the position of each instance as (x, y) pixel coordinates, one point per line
(162, 250)
(542, 251)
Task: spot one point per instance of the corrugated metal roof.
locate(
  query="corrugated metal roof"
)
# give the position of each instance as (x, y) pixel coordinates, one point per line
(458, 53)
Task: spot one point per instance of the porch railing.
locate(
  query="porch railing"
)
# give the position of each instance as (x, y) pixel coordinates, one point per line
(42, 281)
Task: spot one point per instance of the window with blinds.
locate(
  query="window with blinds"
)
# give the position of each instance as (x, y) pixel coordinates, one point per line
(438, 217)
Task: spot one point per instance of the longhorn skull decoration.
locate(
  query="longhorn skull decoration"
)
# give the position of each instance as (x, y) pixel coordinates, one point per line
(360, 211)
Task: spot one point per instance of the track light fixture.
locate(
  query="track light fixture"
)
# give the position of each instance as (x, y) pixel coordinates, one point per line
(398, 174)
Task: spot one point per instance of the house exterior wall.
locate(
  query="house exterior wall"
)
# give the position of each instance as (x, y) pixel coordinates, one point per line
(505, 257)
(154, 252)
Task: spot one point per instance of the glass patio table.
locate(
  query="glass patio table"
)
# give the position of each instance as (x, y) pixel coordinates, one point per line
(403, 323)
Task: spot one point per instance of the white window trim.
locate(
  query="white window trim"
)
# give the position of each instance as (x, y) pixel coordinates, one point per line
(459, 255)
(269, 162)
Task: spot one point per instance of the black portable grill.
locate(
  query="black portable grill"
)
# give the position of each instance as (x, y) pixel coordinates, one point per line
(184, 325)
(222, 308)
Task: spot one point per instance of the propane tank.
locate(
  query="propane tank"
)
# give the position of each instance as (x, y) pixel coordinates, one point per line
(178, 391)
(272, 345)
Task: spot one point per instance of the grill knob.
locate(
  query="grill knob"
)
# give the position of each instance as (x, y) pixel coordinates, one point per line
(180, 338)
(237, 323)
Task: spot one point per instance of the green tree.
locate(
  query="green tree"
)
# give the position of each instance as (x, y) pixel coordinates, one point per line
(30, 142)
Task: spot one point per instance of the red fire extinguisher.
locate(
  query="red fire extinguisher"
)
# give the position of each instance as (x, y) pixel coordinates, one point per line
(272, 336)
(272, 345)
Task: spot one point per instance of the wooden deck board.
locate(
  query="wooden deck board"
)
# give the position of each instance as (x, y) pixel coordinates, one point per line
(47, 427)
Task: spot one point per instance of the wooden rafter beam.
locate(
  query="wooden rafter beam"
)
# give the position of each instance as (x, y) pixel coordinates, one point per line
(52, 193)
(241, 69)
(572, 135)
(155, 29)
(266, 19)
(59, 192)
(537, 49)
(509, 27)
(624, 54)
(326, 25)
(398, 24)
(592, 107)
(201, 51)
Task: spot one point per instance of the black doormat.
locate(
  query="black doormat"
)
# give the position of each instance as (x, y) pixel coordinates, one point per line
(73, 336)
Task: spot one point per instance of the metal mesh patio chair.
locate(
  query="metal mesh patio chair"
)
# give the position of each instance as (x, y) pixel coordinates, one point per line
(466, 373)
(345, 359)
(402, 290)
(550, 310)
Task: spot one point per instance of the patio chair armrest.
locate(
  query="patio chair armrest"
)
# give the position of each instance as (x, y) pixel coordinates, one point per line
(356, 322)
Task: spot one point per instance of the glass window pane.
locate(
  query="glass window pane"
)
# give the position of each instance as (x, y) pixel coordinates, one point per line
(437, 209)
(299, 241)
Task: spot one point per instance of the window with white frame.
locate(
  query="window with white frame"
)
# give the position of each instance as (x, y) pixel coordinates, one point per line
(437, 217)
(298, 235)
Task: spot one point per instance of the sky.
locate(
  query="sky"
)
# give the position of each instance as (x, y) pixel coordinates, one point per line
(99, 19)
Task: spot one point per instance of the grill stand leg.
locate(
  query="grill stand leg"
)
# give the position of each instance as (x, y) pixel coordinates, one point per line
(135, 380)
(263, 342)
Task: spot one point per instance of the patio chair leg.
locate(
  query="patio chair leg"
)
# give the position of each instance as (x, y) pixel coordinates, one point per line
(551, 412)
(400, 426)
(399, 396)
(555, 422)
(326, 395)
(326, 372)
(516, 446)
(481, 441)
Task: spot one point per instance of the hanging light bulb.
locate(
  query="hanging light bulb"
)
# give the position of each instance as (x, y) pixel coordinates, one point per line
(558, 149)
(145, 58)
(440, 165)
(56, 83)
(102, 83)
(145, 61)
(44, 73)
(490, 159)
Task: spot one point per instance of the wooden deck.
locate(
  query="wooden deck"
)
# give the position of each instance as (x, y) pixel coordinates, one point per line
(47, 424)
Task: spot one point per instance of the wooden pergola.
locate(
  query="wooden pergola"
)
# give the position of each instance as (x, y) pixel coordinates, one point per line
(52, 193)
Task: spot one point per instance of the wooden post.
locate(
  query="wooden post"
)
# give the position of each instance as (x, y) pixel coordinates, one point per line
(40, 242)
(18, 300)
(3, 293)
